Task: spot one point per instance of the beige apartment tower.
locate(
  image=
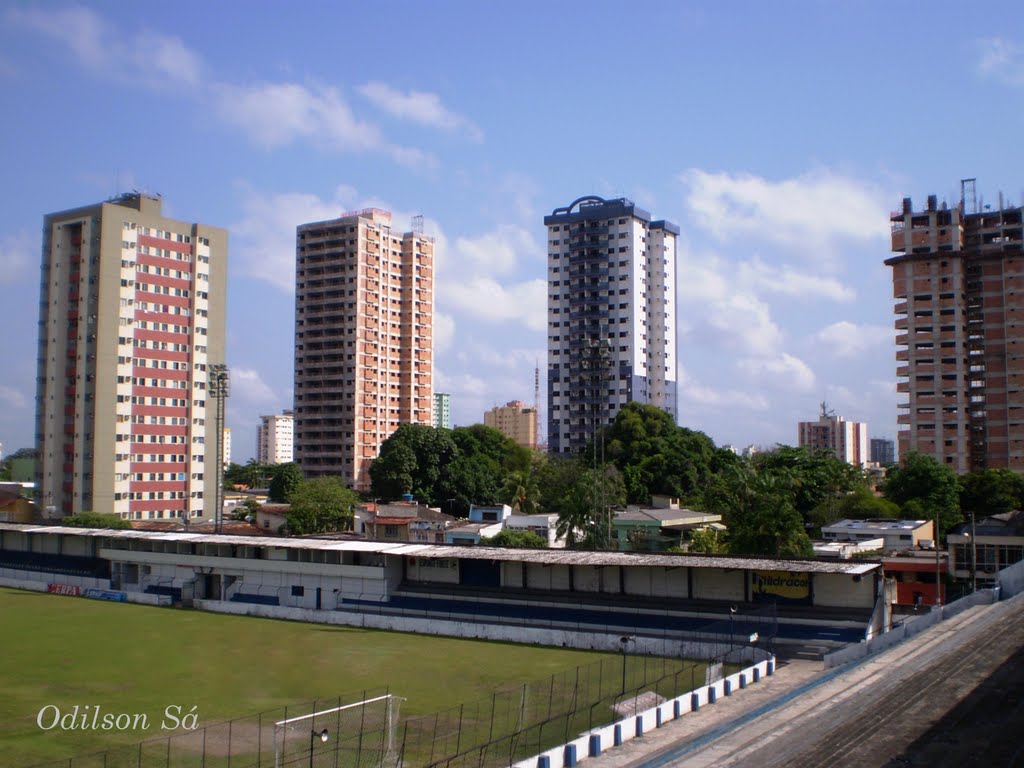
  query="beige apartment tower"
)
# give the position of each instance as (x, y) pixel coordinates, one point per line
(958, 283)
(515, 421)
(132, 309)
(275, 439)
(364, 302)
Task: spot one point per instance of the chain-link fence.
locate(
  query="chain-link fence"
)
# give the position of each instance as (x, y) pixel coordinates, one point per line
(357, 730)
(367, 729)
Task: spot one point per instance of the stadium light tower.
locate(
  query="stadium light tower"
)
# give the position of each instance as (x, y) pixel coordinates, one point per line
(218, 386)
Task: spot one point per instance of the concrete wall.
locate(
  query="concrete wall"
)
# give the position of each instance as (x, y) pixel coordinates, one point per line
(908, 629)
(714, 584)
(840, 590)
(1011, 580)
(603, 738)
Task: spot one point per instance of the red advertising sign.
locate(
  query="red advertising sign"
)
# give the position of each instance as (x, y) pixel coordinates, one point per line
(64, 589)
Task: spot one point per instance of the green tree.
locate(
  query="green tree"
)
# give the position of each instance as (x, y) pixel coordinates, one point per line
(708, 541)
(991, 492)
(521, 490)
(859, 504)
(320, 505)
(283, 482)
(923, 488)
(251, 474)
(820, 480)
(584, 510)
(246, 509)
(514, 540)
(412, 460)
(96, 520)
(758, 509)
(656, 457)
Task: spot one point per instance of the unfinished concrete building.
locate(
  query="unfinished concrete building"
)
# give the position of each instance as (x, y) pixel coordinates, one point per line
(958, 282)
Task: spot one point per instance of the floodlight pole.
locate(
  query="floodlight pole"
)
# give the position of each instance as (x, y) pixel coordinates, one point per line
(218, 386)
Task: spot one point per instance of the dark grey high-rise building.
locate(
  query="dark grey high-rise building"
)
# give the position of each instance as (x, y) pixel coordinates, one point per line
(883, 451)
(611, 316)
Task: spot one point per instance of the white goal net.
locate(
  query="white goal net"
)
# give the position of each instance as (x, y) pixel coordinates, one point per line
(362, 733)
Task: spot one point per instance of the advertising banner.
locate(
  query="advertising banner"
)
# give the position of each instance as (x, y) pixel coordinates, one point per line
(63, 589)
(786, 586)
(105, 594)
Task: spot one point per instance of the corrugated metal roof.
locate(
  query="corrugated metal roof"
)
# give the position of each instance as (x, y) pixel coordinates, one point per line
(439, 551)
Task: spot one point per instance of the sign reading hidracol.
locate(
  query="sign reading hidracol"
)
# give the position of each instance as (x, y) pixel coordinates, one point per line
(780, 585)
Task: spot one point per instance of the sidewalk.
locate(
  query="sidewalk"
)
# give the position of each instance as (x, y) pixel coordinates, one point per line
(788, 677)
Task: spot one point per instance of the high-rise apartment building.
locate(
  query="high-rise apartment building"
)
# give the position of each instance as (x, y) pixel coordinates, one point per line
(364, 299)
(958, 282)
(883, 451)
(611, 316)
(846, 440)
(515, 421)
(442, 410)
(132, 309)
(274, 439)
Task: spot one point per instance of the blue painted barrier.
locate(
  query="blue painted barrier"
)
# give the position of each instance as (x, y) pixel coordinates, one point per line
(570, 756)
(639, 726)
(694, 702)
(595, 745)
(712, 694)
(677, 709)
(727, 685)
(617, 735)
(543, 762)
(743, 680)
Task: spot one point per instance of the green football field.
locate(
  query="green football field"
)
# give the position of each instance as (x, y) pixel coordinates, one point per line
(67, 651)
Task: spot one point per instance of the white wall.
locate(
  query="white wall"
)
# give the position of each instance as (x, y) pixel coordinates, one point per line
(842, 590)
(715, 584)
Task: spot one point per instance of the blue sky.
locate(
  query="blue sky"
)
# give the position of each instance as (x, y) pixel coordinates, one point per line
(777, 135)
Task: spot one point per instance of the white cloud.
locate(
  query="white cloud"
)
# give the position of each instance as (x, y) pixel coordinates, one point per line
(264, 241)
(444, 332)
(485, 298)
(153, 59)
(420, 107)
(248, 385)
(1001, 59)
(713, 397)
(786, 370)
(813, 214)
(847, 340)
(723, 313)
(787, 281)
(498, 252)
(271, 115)
(12, 399)
(17, 252)
(276, 114)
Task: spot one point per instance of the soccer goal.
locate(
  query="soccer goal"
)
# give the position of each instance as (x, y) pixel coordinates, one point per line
(357, 734)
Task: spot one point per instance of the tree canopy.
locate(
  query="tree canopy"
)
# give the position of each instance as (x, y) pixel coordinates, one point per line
(656, 457)
(757, 506)
(283, 482)
(923, 488)
(991, 492)
(450, 469)
(96, 520)
(321, 505)
(515, 540)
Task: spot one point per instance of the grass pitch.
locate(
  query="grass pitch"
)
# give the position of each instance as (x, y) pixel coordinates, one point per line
(67, 651)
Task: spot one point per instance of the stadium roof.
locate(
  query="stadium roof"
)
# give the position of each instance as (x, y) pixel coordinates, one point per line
(437, 551)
